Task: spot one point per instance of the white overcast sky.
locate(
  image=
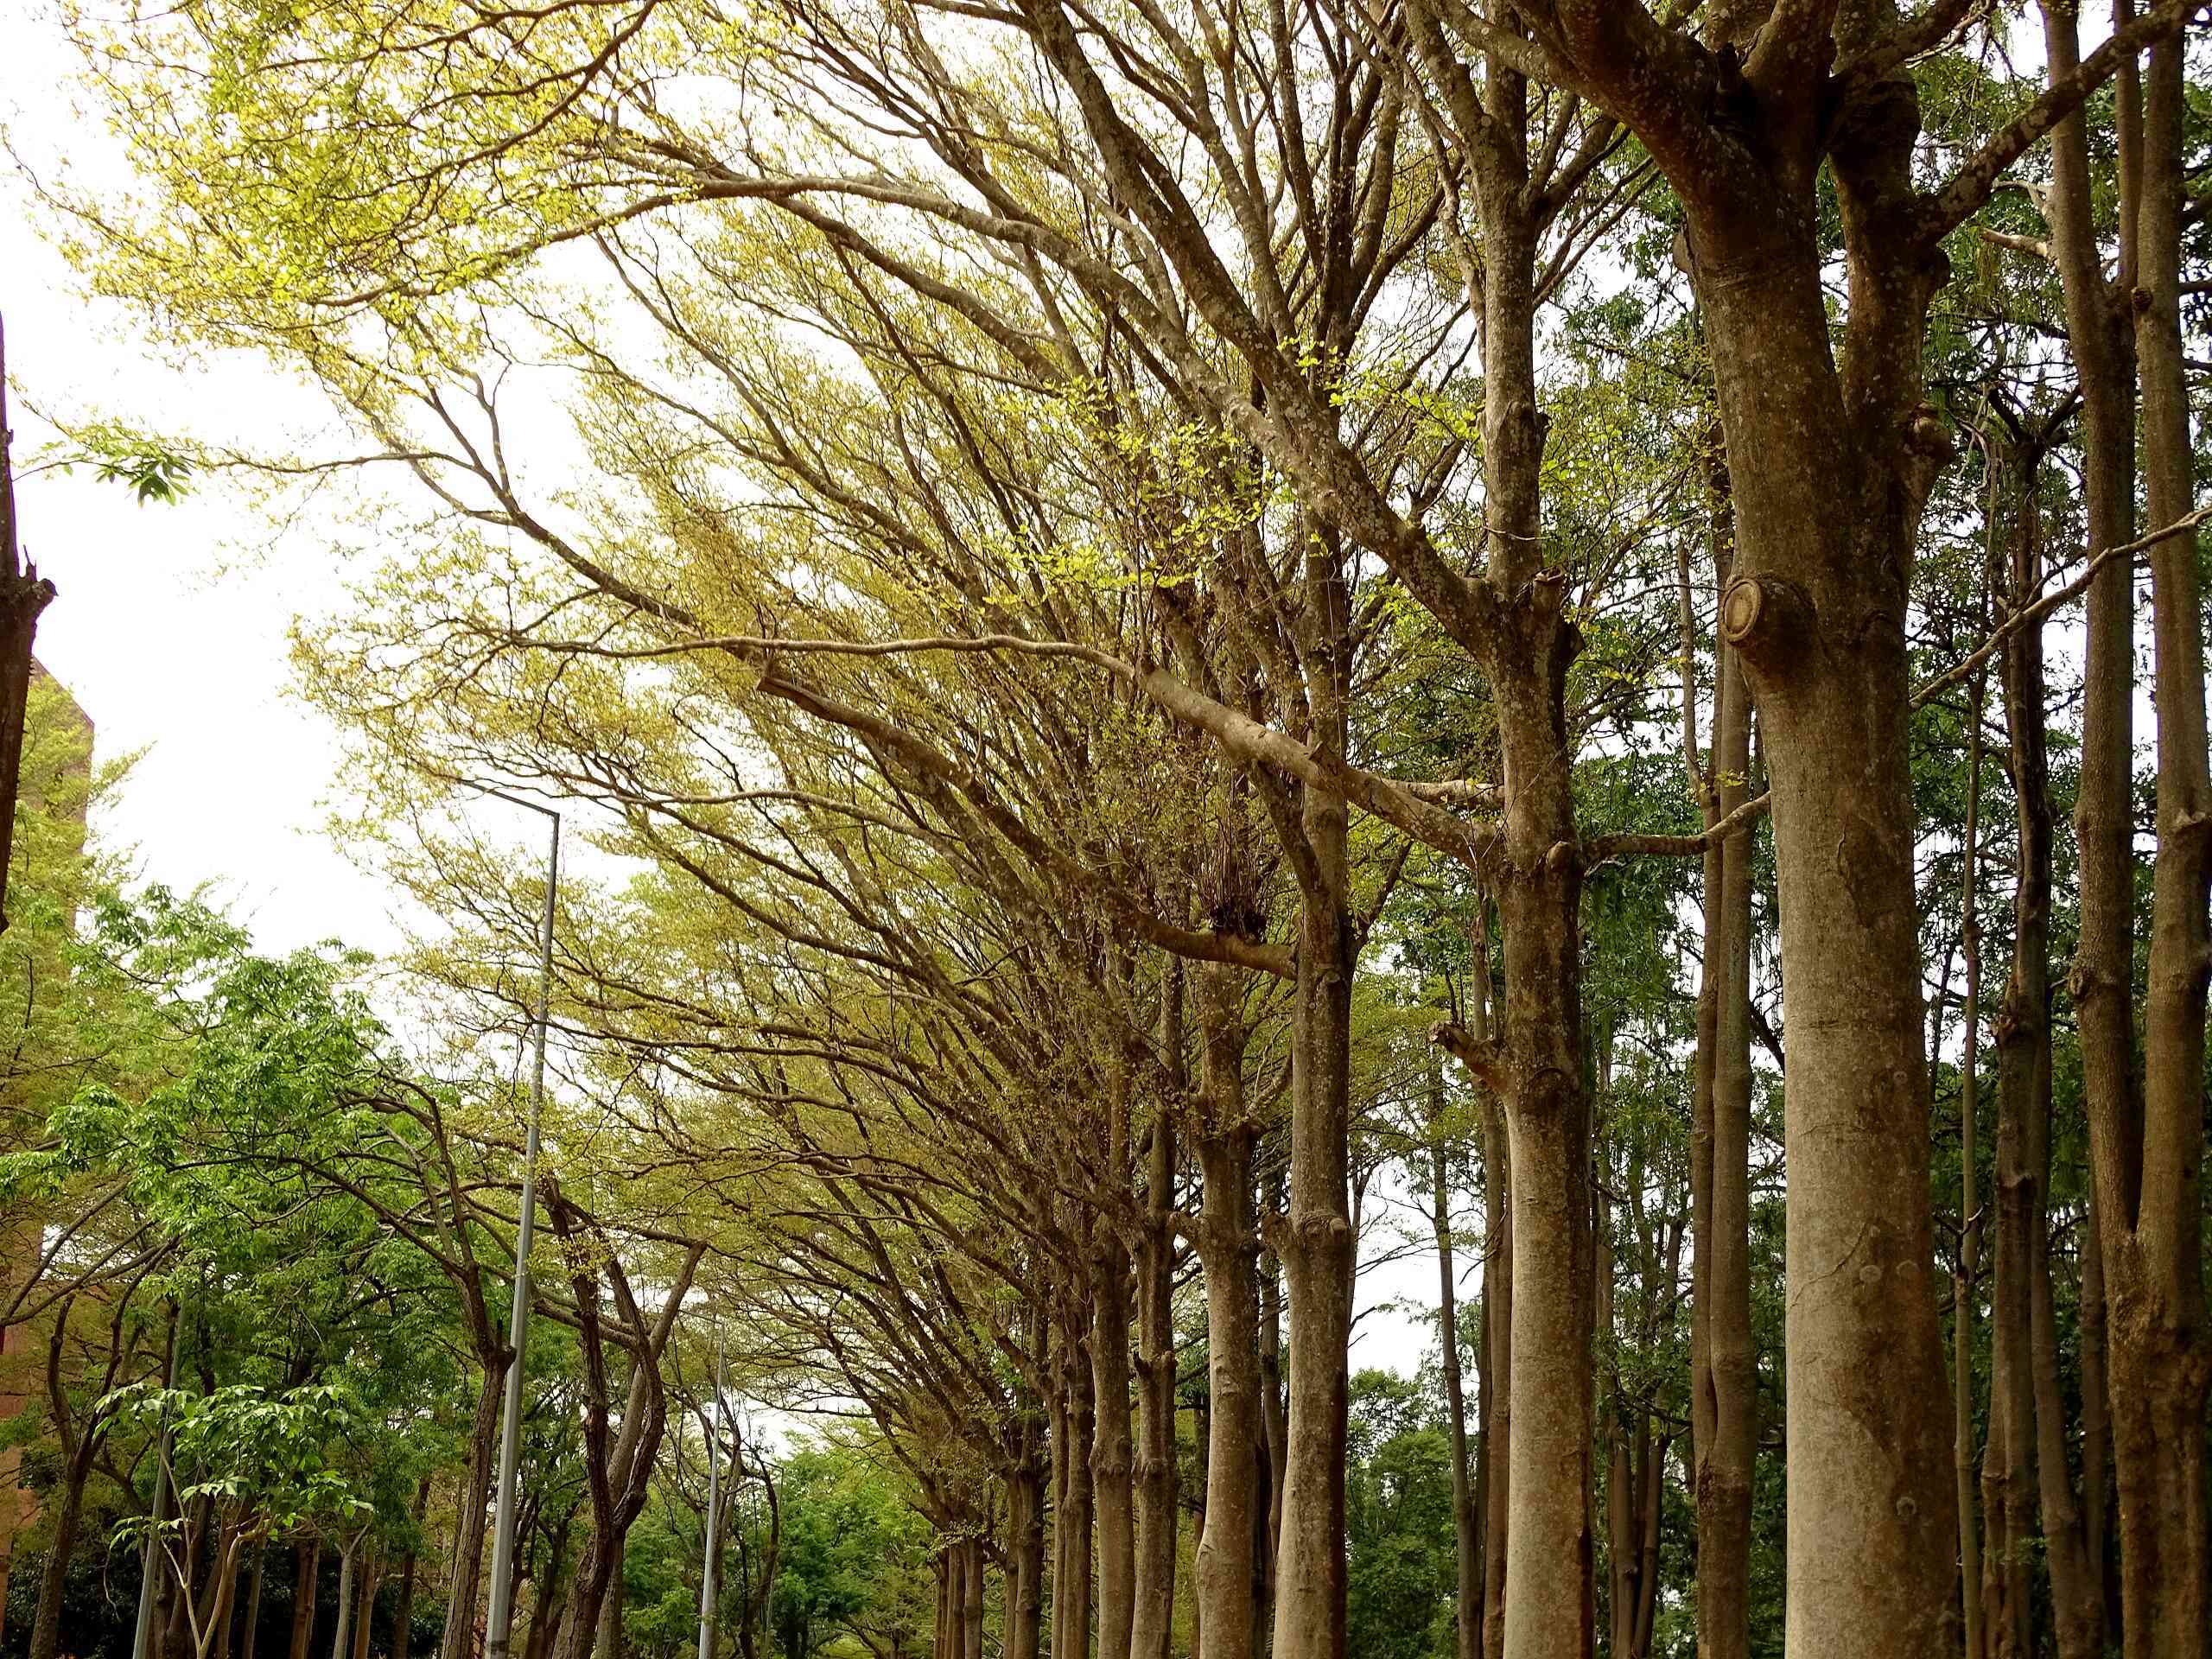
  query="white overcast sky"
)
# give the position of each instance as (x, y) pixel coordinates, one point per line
(170, 625)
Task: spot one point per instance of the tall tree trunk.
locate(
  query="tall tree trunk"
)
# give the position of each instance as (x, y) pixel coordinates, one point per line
(610, 1644)
(1828, 471)
(252, 1637)
(1274, 1417)
(227, 1568)
(68, 1502)
(1549, 1613)
(549, 1617)
(1025, 1577)
(1496, 1405)
(1652, 1451)
(620, 1482)
(307, 1563)
(971, 1600)
(1265, 1492)
(1466, 1522)
(1203, 1415)
(1153, 1628)
(341, 1644)
(1079, 1515)
(1624, 1422)
(2149, 1168)
(1724, 1402)
(403, 1621)
(1963, 1290)
(2102, 981)
(1633, 1532)
(1655, 1484)
(402, 1629)
(2024, 1087)
(1061, 1440)
(1621, 1552)
(1228, 1251)
(459, 1641)
(2097, 1422)
(2022, 1303)
(2008, 1497)
(1112, 1452)
(365, 1604)
(1315, 1241)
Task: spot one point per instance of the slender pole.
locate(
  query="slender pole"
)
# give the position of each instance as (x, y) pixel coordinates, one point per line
(707, 1587)
(500, 1621)
(342, 1644)
(141, 1641)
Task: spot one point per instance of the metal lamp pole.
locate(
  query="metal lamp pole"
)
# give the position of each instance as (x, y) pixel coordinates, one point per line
(500, 1621)
(714, 1512)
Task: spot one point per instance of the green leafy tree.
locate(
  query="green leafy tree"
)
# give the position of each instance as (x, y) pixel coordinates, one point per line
(244, 1464)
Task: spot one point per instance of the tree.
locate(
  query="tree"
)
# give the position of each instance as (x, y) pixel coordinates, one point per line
(246, 1464)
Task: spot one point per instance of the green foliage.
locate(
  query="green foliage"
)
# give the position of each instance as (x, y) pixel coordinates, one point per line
(1401, 1569)
(268, 1460)
(852, 1550)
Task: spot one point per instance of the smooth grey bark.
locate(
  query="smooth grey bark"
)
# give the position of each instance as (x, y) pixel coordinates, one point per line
(2025, 1382)
(1723, 1391)
(1153, 1626)
(1496, 1404)
(307, 1560)
(971, 1600)
(1112, 1449)
(1274, 1417)
(1228, 1248)
(2149, 1170)
(1025, 1576)
(945, 1627)
(1315, 1241)
(1828, 473)
(2101, 978)
(1075, 1518)
(372, 1580)
(1964, 1282)
(1466, 1518)
(341, 1641)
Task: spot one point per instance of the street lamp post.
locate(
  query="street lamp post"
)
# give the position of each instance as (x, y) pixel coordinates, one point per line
(500, 1620)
